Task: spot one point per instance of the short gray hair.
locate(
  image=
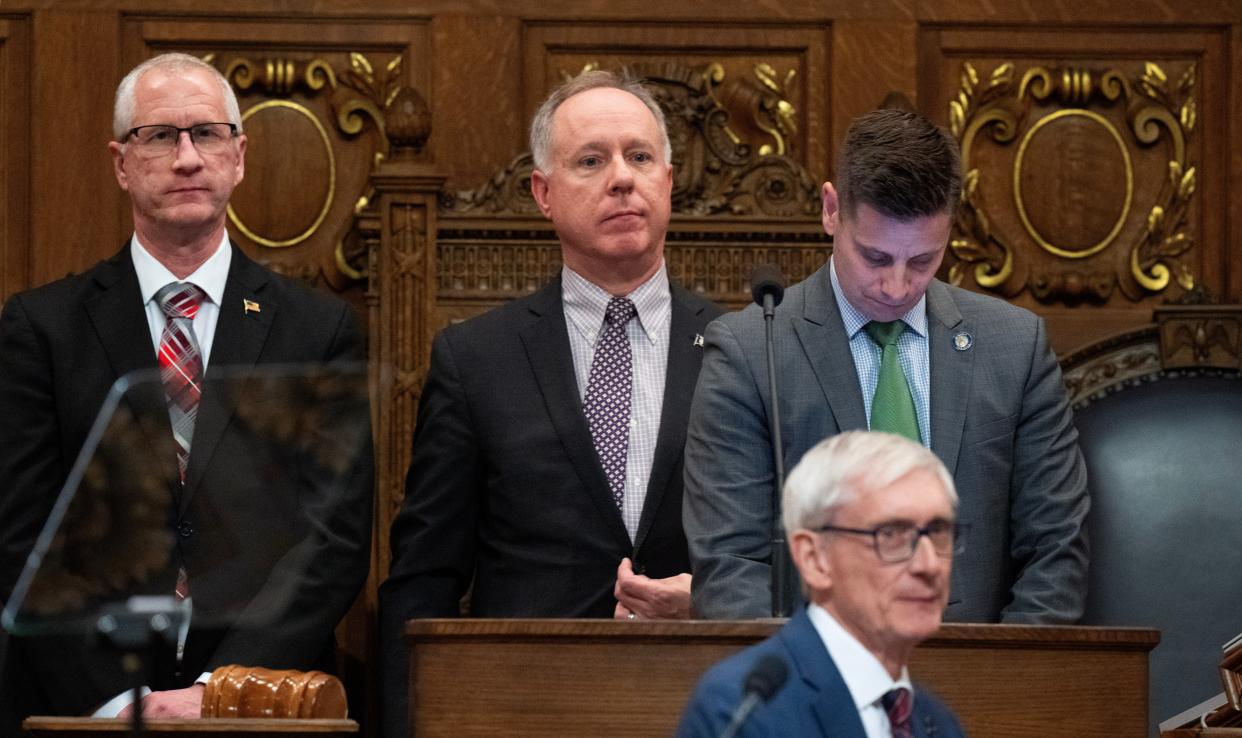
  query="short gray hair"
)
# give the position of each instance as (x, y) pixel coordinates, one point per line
(123, 107)
(834, 472)
(541, 125)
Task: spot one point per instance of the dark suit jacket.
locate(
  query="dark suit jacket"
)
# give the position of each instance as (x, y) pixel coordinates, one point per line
(505, 488)
(1000, 422)
(813, 702)
(261, 532)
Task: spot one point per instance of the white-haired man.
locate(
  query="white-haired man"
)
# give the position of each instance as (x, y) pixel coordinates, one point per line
(872, 531)
(179, 298)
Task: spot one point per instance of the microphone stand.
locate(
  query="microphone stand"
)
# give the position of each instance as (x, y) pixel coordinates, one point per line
(780, 551)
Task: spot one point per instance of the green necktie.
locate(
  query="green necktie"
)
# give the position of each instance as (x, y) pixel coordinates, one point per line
(892, 408)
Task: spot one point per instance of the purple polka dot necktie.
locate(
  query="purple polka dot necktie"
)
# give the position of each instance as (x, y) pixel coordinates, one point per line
(899, 706)
(609, 389)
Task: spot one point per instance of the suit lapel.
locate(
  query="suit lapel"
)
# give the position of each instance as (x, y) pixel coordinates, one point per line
(923, 722)
(684, 359)
(546, 340)
(951, 374)
(832, 706)
(235, 348)
(119, 318)
(827, 349)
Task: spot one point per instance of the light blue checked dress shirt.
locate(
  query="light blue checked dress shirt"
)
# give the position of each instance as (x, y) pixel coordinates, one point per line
(585, 305)
(911, 348)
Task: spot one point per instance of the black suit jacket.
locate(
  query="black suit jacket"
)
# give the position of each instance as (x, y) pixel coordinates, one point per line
(505, 489)
(260, 532)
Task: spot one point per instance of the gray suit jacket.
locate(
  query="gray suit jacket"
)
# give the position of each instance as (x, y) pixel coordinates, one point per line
(1000, 421)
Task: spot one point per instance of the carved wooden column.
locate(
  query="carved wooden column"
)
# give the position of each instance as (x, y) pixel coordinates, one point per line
(398, 224)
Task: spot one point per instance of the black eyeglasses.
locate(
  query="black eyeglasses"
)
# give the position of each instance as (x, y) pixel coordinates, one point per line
(156, 141)
(897, 542)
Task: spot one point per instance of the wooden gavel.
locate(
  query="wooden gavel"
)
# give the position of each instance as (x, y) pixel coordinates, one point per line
(254, 692)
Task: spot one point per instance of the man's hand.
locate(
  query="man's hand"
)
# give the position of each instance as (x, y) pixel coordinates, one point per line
(650, 599)
(173, 703)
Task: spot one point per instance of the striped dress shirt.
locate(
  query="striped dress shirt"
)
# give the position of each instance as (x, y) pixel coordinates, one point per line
(585, 304)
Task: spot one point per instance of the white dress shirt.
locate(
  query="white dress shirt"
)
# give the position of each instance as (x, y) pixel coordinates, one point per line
(585, 305)
(865, 677)
(209, 277)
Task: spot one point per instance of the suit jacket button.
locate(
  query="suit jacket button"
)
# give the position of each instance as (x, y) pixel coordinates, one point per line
(640, 569)
(185, 529)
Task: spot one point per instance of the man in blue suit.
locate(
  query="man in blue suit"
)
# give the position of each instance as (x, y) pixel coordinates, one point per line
(858, 507)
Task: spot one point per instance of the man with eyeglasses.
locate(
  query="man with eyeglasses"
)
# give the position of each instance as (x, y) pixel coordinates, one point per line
(180, 298)
(871, 521)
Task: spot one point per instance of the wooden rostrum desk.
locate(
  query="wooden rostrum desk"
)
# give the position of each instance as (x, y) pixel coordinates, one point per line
(617, 678)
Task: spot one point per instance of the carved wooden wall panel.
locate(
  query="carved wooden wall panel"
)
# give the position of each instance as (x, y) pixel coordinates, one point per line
(1087, 166)
(14, 152)
(775, 80)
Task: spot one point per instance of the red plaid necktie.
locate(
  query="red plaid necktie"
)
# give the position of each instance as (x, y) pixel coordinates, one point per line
(899, 706)
(181, 370)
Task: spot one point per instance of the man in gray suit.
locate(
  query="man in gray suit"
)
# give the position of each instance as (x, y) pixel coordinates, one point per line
(873, 339)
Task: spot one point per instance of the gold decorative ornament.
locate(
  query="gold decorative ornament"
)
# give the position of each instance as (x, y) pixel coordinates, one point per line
(1103, 122)
(1147, 110)
(360, 97)
(327, 202)
(776, 108)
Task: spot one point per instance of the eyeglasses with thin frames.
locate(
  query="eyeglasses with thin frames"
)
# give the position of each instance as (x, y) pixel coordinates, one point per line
(155, 141)
(897, 542)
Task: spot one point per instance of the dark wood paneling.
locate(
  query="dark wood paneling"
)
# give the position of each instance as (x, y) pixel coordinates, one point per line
(14, 153)
(75, 201)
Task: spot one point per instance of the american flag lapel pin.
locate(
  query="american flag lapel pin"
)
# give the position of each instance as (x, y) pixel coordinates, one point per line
(698, 340)
(250, 306)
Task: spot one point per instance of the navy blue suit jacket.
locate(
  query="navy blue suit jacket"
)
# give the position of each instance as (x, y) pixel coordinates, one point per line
(813, 702)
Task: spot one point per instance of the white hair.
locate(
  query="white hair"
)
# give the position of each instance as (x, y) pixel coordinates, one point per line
(541, 126)
(123, 108)
(834, 472)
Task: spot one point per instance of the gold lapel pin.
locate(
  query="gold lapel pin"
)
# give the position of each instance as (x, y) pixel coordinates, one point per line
(250, 306)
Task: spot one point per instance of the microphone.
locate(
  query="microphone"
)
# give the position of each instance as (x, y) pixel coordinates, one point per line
(763, 681)
(767, 286)
(767, 281)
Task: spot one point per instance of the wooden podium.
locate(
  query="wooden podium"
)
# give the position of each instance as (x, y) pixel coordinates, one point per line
(616, 678)
(61, 727)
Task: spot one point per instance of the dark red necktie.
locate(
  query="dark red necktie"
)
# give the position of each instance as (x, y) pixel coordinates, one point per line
(181, 363)
(181, 370)
(899, 705)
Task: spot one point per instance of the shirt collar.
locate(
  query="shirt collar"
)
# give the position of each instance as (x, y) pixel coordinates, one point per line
(864, 675)
(586, 302)
(915, 319)
(209, 277)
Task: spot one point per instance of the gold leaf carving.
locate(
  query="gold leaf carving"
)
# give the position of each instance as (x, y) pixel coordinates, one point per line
(1155, 112)
(361, 65)
(1188, 115)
